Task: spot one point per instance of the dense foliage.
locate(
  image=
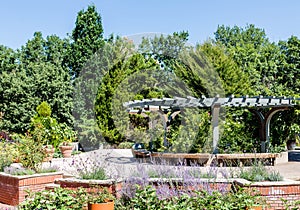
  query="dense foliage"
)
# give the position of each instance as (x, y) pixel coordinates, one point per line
(149, 198)
(80, 76)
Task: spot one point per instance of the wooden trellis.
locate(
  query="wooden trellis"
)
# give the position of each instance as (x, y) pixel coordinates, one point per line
(255, 104)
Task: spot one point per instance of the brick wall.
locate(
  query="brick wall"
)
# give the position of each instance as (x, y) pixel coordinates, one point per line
(12, 188)
(91, 185)
(274, 192)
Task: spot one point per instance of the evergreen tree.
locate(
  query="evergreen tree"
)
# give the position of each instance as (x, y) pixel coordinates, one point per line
(234, 80)
(7, 59)
(87, 39)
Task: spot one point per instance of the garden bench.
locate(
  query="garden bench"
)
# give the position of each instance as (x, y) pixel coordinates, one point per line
(181, 158)
(138, 151)
(246, 158)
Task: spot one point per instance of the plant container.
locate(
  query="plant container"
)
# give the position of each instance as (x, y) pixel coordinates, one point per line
(101, 206)
(49, 153)
(66, 151)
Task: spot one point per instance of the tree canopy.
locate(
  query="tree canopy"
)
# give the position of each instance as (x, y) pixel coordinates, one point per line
(79, 77)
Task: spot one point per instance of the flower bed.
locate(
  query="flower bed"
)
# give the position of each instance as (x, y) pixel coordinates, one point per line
(13, 188)
(271, 192)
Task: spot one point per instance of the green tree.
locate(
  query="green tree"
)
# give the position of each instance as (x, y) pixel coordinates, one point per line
(254, 53)
(87, 39)
(33, 51)
(285, 125)
(290, 67)
(39, 75)
(56, 50)
(165, 49)
(53, 84)
(7, 59)
(17, 102)
(234, 80)
(107, 90)
(87, 85)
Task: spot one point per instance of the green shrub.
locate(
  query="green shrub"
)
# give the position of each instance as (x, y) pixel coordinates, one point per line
(59, 198)
(44, 109)
(151, 198)
(26, 171)
(8, 153)
(31, 151)
(291, 204)
(102, 195)
(258, 173)
(97, 173)
(19, 171)
(51, 131)
(125, 145)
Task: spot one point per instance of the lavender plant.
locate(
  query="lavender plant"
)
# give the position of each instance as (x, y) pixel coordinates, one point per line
(258, 172)
(90, 165)
(173, 181)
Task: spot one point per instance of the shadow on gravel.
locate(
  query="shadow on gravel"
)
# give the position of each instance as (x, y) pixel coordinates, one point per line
(121, 160)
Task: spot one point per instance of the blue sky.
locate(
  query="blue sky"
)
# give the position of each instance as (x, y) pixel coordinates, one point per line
(20, 19)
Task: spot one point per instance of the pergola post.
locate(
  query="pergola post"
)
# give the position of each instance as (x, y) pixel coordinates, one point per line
(268, 118)
(264, 129)
(215, 124)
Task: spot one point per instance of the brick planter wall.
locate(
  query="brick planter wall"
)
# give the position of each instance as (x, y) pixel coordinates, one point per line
(12, 188)
(113, 186)
(274, 192)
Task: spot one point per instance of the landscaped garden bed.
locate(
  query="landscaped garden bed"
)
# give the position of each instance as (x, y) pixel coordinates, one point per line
(13, 188)
(277, 194)
(177, 187)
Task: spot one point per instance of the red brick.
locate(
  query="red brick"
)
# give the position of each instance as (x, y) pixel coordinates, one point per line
(13, 187)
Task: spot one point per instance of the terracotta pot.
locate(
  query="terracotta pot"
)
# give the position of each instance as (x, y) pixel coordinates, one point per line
(66, 151)
(101, 206)
(254, 208)
(49, 154)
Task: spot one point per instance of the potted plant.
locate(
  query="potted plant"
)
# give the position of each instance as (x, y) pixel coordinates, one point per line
(48, 127)
(49, 152)
(66, 149)
(68, 136)
(102, 199)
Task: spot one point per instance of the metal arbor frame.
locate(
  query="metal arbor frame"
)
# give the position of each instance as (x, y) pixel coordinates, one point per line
(255, 104)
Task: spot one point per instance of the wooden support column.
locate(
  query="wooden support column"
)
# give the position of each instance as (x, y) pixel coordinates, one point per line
(166, 122)
(215, 125)
(264, 128)
(268, 118)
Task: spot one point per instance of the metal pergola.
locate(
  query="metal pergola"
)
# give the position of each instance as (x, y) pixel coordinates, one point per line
(255, 104)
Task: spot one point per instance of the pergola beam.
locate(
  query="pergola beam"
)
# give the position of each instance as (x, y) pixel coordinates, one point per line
(254, 103)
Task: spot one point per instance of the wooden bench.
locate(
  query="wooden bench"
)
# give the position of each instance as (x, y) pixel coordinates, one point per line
(245, 158)
(181, 158)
